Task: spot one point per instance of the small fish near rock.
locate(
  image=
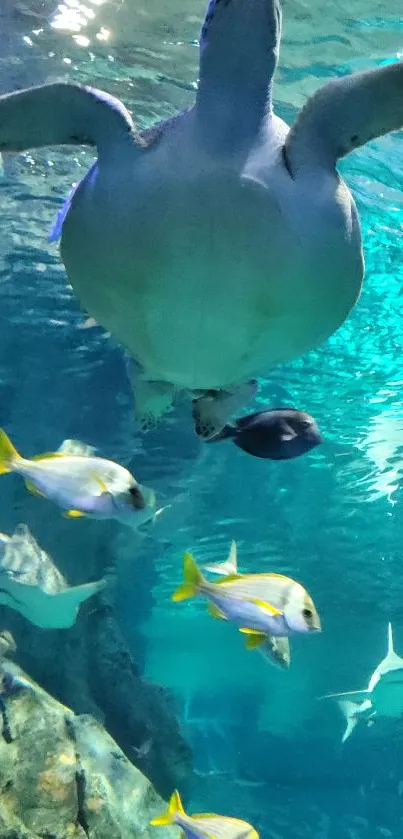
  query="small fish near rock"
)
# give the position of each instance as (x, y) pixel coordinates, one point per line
(204, 825)
(275, 434)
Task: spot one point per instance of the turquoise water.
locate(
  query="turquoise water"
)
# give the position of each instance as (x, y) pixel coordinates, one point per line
(263, 748)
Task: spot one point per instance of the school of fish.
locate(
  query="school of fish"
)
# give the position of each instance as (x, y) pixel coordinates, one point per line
(267, 609)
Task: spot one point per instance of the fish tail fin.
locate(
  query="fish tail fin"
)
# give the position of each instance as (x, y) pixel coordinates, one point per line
(8, 453)
(174, 806)
(349, 709)
(228, 567)
(391, 650)
(226, 433)
(192, 578)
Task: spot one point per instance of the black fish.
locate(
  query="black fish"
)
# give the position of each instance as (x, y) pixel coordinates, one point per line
(276, 434)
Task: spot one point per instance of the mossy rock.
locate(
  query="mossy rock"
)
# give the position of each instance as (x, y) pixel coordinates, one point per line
(62, 776)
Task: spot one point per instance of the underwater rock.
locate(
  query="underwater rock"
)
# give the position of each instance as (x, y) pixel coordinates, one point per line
(62, 775)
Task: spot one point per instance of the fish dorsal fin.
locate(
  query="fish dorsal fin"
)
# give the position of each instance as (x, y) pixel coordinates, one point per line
(391, 650)
(47, 456)
(77, 448)
(392, 660)
(232, 559)
(243, 422)
(204, 815)
(229, 579)
(227, 569)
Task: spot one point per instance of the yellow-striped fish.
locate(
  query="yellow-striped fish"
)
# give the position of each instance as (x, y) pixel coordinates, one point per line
(275, 649)
(259, 604)
(80, 483)
(204, 825)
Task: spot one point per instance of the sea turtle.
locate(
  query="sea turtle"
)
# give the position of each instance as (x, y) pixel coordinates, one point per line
(219, 243)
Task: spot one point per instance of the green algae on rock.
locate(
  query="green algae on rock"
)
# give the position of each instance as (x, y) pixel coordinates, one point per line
(62, 775)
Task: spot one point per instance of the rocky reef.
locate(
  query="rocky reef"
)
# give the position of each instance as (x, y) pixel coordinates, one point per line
(90, 667)
(61, 775)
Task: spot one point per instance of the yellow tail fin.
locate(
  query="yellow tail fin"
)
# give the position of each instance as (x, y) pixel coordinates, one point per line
(174, 806)
(7, 453)
(192, 578)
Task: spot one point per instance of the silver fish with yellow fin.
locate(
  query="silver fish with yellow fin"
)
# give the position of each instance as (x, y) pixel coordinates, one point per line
(204, 825)
(258, 604)
(81, 483)
(276, 650)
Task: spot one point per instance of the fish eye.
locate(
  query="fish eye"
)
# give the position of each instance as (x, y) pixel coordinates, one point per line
(136, 497)
(306, 423)
(307, 613)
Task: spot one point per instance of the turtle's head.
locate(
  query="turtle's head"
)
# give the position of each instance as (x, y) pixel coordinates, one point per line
(239, 47)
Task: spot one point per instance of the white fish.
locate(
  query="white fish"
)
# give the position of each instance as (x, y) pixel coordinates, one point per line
(259, 604)
(204, 825)
(81, 483)
(383, 696)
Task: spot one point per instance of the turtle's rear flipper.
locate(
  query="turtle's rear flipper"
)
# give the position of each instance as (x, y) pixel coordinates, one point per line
(212, 411)
(151, 400)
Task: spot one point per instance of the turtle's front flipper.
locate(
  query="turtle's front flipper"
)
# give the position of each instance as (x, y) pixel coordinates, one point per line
(345, 114)
(68, 114)
(151, 399)
(212, 411)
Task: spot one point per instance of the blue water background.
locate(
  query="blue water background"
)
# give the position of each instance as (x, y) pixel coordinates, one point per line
(264, 748)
